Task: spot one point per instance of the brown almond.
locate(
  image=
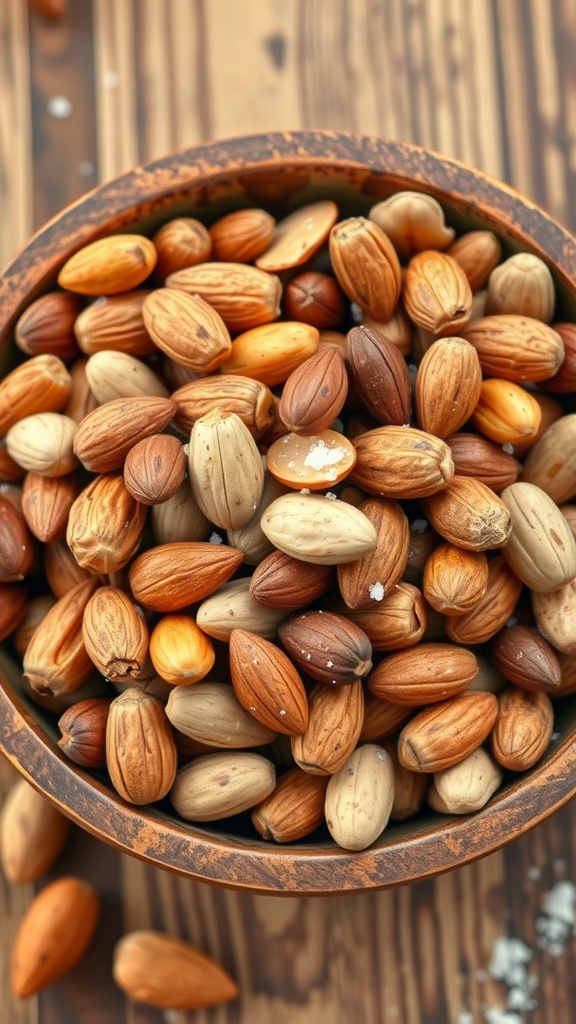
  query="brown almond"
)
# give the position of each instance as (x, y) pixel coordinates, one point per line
(492, 611)
(454, 579)
(314, 393)
(187, 329)
(46, 504)
(294, 809)
(115, 635)
(516, 348)
(328, 647)
(109, 265)
(243, 296)
(401, 462)
(382, 718)
(436, 293)
(154, 468)
(477, 252)
(370, 578)
(83, 729)
(105, 525)
(53, 935)
(380, 375)
(241, 236)
(171, 576)
(41, 384)
(115, 323)
(140, 748)
(448, 386)
(366, 266)
(397, 621)
(334, 724)
(17, 548)
(522, 729)
(469, 515)
(47, 325)
(482, 459)
(524, 657)
(14, 602)
(446, 733)
(181, 242)
(104, 437)
(56, 660)
(33, 833)
(564, 380)
(425, 674)
(271, 352)
(283, 582)
(249, 399)
(267, 683)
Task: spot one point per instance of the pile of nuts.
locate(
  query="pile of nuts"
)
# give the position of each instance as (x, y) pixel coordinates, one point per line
(285, 521)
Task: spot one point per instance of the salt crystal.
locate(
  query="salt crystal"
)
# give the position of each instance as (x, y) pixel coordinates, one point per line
(282, 712)
(305, 490)
(329, 664)
(376, 591)
(555, 736)
(215, 538)
(331, 496)
(356, 312)
(508, 448)
(465, 1018)
(321, 456)
(418, 526)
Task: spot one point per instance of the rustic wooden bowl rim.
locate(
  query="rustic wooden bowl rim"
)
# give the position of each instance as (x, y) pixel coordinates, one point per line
(420, 849)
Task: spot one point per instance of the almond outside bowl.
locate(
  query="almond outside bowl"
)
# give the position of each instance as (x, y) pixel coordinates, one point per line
(280, 172)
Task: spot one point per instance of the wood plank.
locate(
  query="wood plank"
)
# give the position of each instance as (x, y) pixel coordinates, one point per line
(16, 218)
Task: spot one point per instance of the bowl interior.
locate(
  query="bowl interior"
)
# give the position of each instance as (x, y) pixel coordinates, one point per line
(280, 173)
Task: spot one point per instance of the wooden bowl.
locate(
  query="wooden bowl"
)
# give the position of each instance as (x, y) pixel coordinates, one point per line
(281, 171)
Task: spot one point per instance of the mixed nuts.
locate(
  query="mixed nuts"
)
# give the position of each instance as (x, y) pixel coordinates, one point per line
(285, 525)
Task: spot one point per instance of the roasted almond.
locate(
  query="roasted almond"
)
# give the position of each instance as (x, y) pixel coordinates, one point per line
(241, 236)
(478, 457)
(522, 729)
(477, 252)
(401, 462)
(492, 611)
(524, 657)
(154, 468)
(454, 579)
(41, 384)
(267, 683)
(328, 647)
(314, 393)
(104, 437)
(56, 659)
(83, 728)
(115, 323)
(17, 548)
(115, 635)
(436, 293)
(46, 504)
(109, 265)
(187, 329)
(366, 266)
(469, 515)
(299, 235)
(243, 296)
(105, 525)
(448, 386)
(140, 748)
(250, 399)
(514, 347)
(287, 583)
(425, 674)
(294, 809)
(380, 375)
(506, 412)
(334, 724)
(446, 733)
(47, 325)
(181, 242)
(171, 576)
(270, 353)
(369, 578)
(397, 621)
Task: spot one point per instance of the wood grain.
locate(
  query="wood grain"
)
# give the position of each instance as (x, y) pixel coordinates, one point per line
(491, 83)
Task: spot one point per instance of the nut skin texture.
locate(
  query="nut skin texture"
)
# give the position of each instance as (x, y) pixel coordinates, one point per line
(287, 583)
(115, 635)
(154, 468)
(327, 646)
(252, 401)
(271, 352)
(398, 620)
(413, 222)
(315, 392)
(56, 661)
(232, 607)
(187, 329)
(564, 381)
(492, 611)
(375, 575)
(436, 293)
(47, 325)
(454, 579)
(181, 242)
(109, 265)
(542, 548)
(225, 469)
(380, 375)
(299, 235)
(466, 786)
(140, 749)
(313, 529)
(506, 412)
(334, 725)
(115, 323)
(396, 462)
(366, 266)
(359, 798)
(33, 834)
(469, 515)
(522, 729)
(17, 547)
(555, 615)
(516, 348)
(53, 936)
(267, 684)
(220, 785)
(41, 384)
(180, 652)
(164, 971)
(169, 577)
(104, 437)
(448, 386)
(294, 809)
(211, 713)
(551, 463)
(524, 657)
(382, 718)
(46, 504)
(477, 252)
(83, 728)
(425, 674)
(481, 458)
(446, 733)
(243, 296)
(241, 236)
(105, 525)
(522, 284)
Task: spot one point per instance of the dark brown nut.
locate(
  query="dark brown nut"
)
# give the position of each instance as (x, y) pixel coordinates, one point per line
(522, 729)
(83, 728)
(524, 657)
(314, 298)
(484, 460)
(47, 325)
(492, 611)
(280, 581)
(314, 393)
(425, 674)
(154, 468)
(370, 578)
(380, 376)
(328, 647)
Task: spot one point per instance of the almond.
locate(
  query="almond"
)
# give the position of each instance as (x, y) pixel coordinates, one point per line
(83, 728)
(524, 657)
(109, 265)
(328, 647)
(181, 242)
(14, 603)
(105, 525)
(17, 548)
(241, 236)
(564, 380)
(366, 266)
(187, 329)
(211, 713)
(477, 252)
(56, 660)
(469, 515)
(380, 375)
(448, 386)
(522, 284)
(54, 935)
(167, 972)
(516, 348)
(33, 833)
(446, 733)
(267, 683)
(47, 326)
(243, 296)
(425, 674)
(41, 384)
(104, 437)
(506, 412)
(43, 443)
(369, 578)
(46, 504)
(294, 809)
(233, 607)
(542, 548)
(401, 462)
(171, 576)
(522, 729)
(154, 468)
(359, 798)
(382, 718)
(115, 635)
(226, 473)
(140, 749)
(455, 579)
(299, 235)
(180, 651)
(251, 400)
(287, 583)
(179, 518)
(555, 615)
(551, 463)
(478, 457)
(334, 725)
(116, 374)
(398, 620)
(436, 293)
(409, 788)
(115, 323)
(222, 784)
(314, 393)
(271, 352)
(317, 529)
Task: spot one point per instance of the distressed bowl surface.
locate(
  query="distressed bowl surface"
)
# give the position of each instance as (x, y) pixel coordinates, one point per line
(280, 172)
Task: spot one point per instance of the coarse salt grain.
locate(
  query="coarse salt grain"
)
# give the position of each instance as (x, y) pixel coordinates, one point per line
(215, 538)
(321, 456)
(376, 591)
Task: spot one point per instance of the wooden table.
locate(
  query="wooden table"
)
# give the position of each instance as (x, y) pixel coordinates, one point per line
(121, 81)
